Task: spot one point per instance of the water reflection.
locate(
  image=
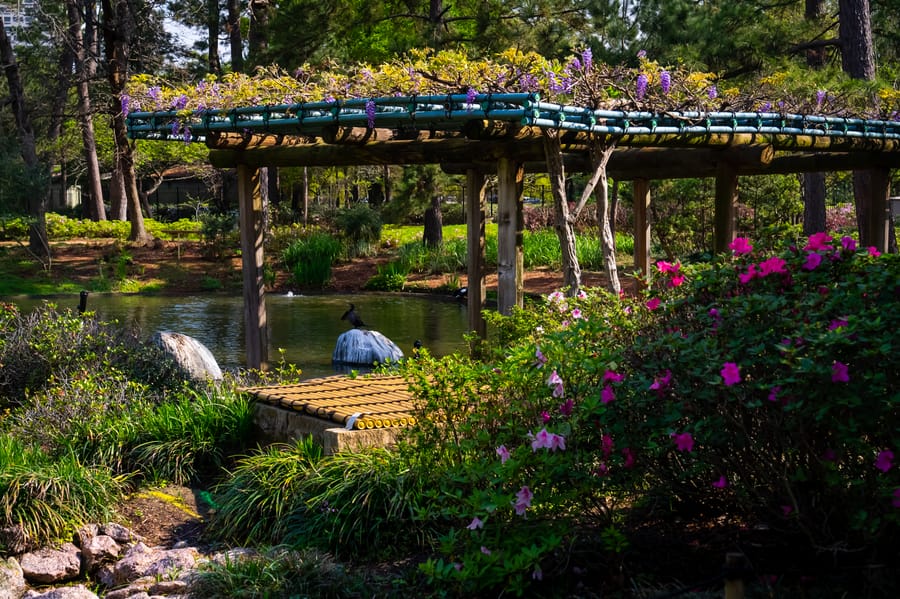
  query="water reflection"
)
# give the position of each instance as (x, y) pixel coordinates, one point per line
(306, 327)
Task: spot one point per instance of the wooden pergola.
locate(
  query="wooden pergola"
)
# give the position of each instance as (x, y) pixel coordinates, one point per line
(502, 135)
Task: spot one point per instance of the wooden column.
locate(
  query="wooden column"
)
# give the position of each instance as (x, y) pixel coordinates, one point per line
(250, 208)
(726, 198)
(878, 216)
(475, 218)
(642, 225)
(510, 259)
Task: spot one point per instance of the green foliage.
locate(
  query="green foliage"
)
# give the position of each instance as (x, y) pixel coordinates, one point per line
(220, 234)
(42, 498)
(390, 277)
(310, 258)
(277, 572)
(361, 227)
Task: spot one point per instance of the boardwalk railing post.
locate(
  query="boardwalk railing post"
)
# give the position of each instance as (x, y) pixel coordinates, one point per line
(734, 570)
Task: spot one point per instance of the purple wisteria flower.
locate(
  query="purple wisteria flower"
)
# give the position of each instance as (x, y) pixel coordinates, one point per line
(820, 98)
(587, 59)
(471, 94)
(713, 93)
(180, 102)
(125, 100)
(665, 82)
(641, 86)
(370, 113)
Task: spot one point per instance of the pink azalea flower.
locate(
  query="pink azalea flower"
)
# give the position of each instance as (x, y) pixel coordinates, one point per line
(565, 408)
(721, 483)
(837, 323)
(582, 294)
(849, 243)
(667, 267)
(607, 394)
(653, 303)
(873, 251)
(773, 393)
(556, 382)
(818, 241)
(503, 452)
(475, 524)
(813, 260)
(538, 574)
(676, 280)
(774, 265)
(746, 277)
(602, 469)
(839, 373)
(731, 374)
(740, 246)
(523, 500)
(542, 439)
(629, 457)
(614, 377)
(896, 500)
(485, 550)
(540, 360)
(885, 460)
(545, 416)
(683, 441)
(457, 566)
(557, 442)
(661, 382)
(576, 314)
(607, 445)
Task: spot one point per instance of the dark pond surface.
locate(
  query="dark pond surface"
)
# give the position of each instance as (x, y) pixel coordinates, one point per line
(306, 327)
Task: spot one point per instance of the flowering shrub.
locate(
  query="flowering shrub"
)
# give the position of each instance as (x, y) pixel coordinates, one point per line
(761, 387)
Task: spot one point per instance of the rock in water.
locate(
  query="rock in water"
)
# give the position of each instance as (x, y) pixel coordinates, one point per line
(192, 356)
(363, 348)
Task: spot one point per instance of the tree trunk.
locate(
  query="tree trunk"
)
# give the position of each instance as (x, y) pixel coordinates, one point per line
(563, 223)
(84, 70)
(258, 36)
(433, 234)
(813, 184)
(118, 31)
(212, 31)
(600, 154)
(38, 242)
(858, 61)
(304, 195)
(235, 39)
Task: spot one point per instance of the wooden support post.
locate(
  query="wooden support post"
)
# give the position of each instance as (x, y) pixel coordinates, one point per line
(735, 563)
(250, 208)
(726, 198)
(475, 218)
(879, 220)
(510, 259)
(642, 225)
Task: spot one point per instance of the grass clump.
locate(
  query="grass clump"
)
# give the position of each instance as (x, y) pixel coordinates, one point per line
(310, 258)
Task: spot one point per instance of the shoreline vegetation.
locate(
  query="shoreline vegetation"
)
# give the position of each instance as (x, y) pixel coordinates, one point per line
(592, 446)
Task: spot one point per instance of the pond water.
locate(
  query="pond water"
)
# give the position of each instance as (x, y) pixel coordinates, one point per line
(306, 327)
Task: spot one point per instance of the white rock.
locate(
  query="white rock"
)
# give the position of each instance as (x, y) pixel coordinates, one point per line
(12, 579)
(99, 550)
(364, 348)
(76, 592)
(47, 566)
(192, 356)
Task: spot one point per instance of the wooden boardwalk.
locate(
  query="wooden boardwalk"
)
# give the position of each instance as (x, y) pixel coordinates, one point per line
(366, 402)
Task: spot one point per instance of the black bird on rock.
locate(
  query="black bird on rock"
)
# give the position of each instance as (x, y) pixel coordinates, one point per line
(82, 302)
(353, 318)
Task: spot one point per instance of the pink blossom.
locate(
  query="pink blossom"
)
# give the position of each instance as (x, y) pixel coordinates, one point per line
(683, 441)
(676, 280)
(523, 500)
(813, 260)
(607, 445)
(896, 500)
(740, 246)
(629, 457)
(582, 294)
(774, 265)
(773, 393)
(565, 408)
(475, 524)
(885, 460)
(556, 382)
(668, 267)
(653, 303)
(612, 376)
(839, 373)
(731, 374)
(545, 416)
(503, 452)
(746, 277)
(837, 323)
(818, 241)
(576, 314)
(540, 360)
(557, 442)
(547, 440)
(721, 483)
(602, 469)
(537, 574)
(873, 251)
(607, 394)
(849, 243)
(661, 382)
(485, 550)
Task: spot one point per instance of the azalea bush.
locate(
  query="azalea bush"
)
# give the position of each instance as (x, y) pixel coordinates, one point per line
(760, 387)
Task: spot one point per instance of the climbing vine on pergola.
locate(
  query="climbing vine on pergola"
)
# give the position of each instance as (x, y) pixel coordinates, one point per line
(518, 111)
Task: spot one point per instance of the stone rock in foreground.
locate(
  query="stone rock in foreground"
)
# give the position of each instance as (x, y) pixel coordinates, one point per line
(192, 356)
(365, 348)
(12, 579)
(48, 566)
(75, 592)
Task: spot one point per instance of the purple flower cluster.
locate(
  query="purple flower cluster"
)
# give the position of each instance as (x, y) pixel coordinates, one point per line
(370, 113)
(665, 82)
(641, 87)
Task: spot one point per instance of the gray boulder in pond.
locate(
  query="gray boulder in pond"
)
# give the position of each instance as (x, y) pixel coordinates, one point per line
(192, 356)
(364, 347)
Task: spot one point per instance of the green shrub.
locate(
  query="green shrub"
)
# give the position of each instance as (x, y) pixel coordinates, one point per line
(310, 259)
(390, 277)
(278, 572)
(42, 498)
(361, 227)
